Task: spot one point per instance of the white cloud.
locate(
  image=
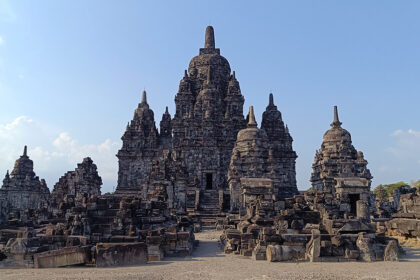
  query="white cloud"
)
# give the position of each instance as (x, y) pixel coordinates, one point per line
(55, 152)
(407, 145)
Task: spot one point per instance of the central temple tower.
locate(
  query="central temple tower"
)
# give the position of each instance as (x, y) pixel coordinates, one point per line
(189, 157)
(209, 114)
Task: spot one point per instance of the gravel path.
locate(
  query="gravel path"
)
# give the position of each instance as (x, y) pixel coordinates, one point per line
(209, 262)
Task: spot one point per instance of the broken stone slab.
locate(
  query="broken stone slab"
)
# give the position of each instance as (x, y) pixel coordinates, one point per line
(313, 247)
(353, 226)
(62, 257)
(391, 251)
(120, 254)
(259, 253)
(284, 253)
(365, 245)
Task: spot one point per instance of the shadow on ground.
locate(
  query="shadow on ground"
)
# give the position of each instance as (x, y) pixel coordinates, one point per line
(411, 255)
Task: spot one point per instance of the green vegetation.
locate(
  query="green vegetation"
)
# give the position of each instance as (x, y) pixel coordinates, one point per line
(384, 191)
(416, 184)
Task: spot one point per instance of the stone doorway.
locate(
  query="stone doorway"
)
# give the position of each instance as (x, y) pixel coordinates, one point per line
(209, 181)
(353, 200)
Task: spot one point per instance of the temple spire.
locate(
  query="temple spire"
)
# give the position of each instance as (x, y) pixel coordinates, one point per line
(209, 40)
(25, 151)
(185, 73)
(336, 122)
(251, 117)
(271, 100)
(144, 97)
(166, 111)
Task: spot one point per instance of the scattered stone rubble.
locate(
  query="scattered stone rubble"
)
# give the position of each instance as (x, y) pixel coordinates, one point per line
(331, 222)
(406, 222)
(78, 225)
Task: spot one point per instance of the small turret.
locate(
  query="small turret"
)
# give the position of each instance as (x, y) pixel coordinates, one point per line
(25, 151)
(6, 179)
(166, 130)
(336, 122)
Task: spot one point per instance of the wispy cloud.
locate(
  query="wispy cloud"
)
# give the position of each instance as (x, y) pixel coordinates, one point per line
(407, 145)
(53, 151)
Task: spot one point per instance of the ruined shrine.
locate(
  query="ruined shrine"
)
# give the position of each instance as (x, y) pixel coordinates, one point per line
(191, 154)
(259, 156)
(339, 168)
(22, 191)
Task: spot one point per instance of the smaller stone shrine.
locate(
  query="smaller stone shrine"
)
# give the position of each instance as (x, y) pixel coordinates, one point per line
(255, 156)
(338, 167)
(77, 185)
(22, 190)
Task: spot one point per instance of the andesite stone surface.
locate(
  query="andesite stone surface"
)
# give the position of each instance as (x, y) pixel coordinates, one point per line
(191, 154)
(22, 190)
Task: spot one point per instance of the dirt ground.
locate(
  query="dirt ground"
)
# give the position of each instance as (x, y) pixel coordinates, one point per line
(209, 262)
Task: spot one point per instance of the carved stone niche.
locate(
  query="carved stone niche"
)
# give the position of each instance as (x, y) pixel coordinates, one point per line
(350, 190)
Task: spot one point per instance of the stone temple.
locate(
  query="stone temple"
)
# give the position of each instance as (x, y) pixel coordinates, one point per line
(206, 165)
(191, 154)
(22, 190)
(339, 168)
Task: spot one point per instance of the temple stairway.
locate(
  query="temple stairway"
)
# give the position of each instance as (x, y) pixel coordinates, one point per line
(209, 207)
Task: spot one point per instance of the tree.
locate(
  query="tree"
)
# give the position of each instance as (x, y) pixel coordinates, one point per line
(415, 184)
(380, 192)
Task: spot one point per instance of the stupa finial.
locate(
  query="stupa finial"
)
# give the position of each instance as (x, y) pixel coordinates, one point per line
(336, 122)
(251, 117)
(144, 97)
(271, 100)
(25, 151)
(209, 40)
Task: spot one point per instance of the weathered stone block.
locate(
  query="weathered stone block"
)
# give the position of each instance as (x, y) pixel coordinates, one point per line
(62, 257)
(120, 254)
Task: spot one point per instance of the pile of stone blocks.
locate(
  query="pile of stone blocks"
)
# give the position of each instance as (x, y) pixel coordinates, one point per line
(310, 227)
(406, 222)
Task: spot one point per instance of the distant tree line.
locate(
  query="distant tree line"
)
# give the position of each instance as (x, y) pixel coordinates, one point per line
(384, 191)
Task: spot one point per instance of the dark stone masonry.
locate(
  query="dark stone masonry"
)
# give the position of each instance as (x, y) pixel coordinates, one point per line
(192, 154)
(207, 165)
(22, 191)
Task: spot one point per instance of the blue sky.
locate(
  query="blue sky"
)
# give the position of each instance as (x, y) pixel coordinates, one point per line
(71, 74)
